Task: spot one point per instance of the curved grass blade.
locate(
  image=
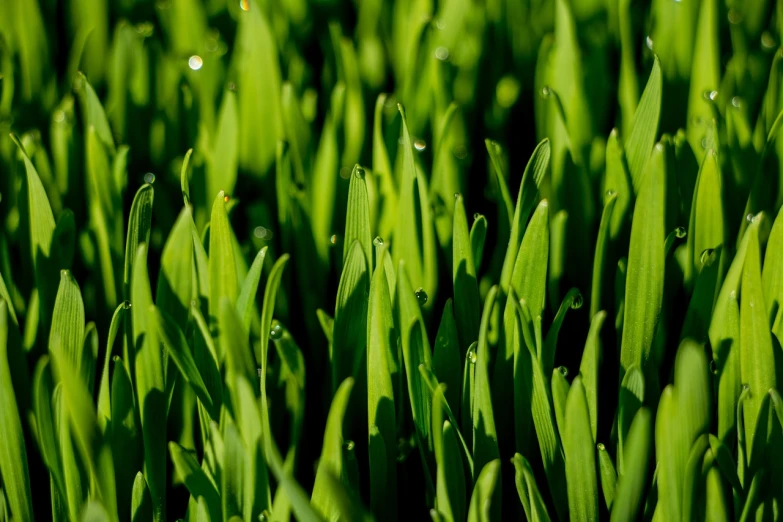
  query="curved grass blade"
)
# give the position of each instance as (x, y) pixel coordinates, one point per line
(177, 286)
(196, 480)
(529, 495)
(349, 344)
(617, 181)
(104, 398)
(560, 388)
(67, 333)
(573, 300)
(772, 273)
(631, 398)
(602, 268)
(450, 483)
(706, 227)
(222, 266)
(139, 224)
(141, 502)
(486, 496)
(478, 235)
(589, 368)
(446, 359)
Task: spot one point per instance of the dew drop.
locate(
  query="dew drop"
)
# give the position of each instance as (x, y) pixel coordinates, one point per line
(333, 239)
(735, 17)
(193, 303)
(680, 232)
(419, 145)
(126, 305)
(601, 446)
(226, 198)
(195, 62)
(349, 445)
(378, 241)
(457, 195)
(360, 172)
(696, 120)
(767, 41)
(546, 91)
(149, 177)
(736, 102)
(749, 218)
(563, 371)
(714, 367)
(713, 95)
(649, 42)
(265, 516)
(472, 357)
(232, 87)
(276, 332)
(577, 301)
(345, 173)
(260, 372)
(706, 256)
(610, 193)
(421, 296)
(260, 232)
(733, 295)
(440, 24)
(704, 143)
(746, 387)
(442, 54)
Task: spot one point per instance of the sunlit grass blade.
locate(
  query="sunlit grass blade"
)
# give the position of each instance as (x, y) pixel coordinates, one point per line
(590, 368)
(529, 495)
(485, 441)
(357, 220)
(772, 273)
(706, 227)
(222, 267)
(104, 398)
(644, 284)
(331, 461)
(221, 171)
(176, 286)
(141, 503)
(466, 293)
(486, 496)
(450, 481)
(579, 452)
(617, 181)
(478, 235)
(602, 268)
(639, 144)
(139, 224)
(560, 388)
(631, 484)
(249, 287)
(350, 318)
(196, 480)
(608, 475)
(67, 332)
(632, 392)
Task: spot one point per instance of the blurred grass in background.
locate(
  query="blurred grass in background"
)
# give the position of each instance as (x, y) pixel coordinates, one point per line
(174, 174)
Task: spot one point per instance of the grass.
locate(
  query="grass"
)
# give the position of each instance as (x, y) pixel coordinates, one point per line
(239, 277)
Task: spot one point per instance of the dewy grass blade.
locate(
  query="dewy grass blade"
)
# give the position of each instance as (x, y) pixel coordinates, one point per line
(590, 369)
(222, 266)
(706, 226)
(560, 389)
(450, 483)
(631, 484)
(757, 359)
(466, 293)
(617, 182)
(357, 220)
(602, 268)
(529, 495)
(139, 224)
(486, 496)
(350, 317)
(447, 359)
(247, 293)
(772, 273)
(485, 441)
(478, 235)
(608, 475)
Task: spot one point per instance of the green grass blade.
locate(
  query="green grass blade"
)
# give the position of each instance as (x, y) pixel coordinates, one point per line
(67, 334)
(331, 461)
(357, 218)
(382, 167)
(478, 235)
(529, 495)
(466, 293)
(247, 293)
(486, 496)
(608, 475)
(772, 273)
(757, 359)
(350, 317)
(176, 286)
(221, 169)
(579, 452)
(632, 390)
(644, 284)
(645, 127)
(534, 174)
(222, 266)
(706, 226)
(617, 181)
(631, 485)
(235, 461)
(485, 438)
(43, 389)
(496, 156)
(381, 341)
(446, 358)
(450, 482)
(104, 398)
(141, 502)
(560, 388)
(13, 454)
(196, 480)
(705, 76)
(602, 268)
(139, 224)
(590, 368)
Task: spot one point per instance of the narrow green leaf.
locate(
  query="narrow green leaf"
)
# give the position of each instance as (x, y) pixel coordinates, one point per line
(705, 76)
(496, 156)
(447, 359)
(466, 293)
(644, 284)
(104, 398)
(485, 439)
(485, 499)
(247, 294)
(221, 171)
(235, 459)
(602, 268)
(381, 166)
(357, 218)
(772, 274)
(631, 484)
(141, 503)
(632, 392)
(184, 177)
(580, 456)
(67, 334)
(177, 286)
(617, 181)
(13, 454)
(529, 495)
(645, 127)
(608, 475)
(528, 190)
(196, 480)
(350, 317)
(222, 266)
(450, 482)
(139, 224)
(757, 359)
(331, 461)
(706, 227)
(478, 235)
(589, 368)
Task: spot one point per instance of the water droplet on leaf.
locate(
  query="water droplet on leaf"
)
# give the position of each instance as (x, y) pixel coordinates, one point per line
(149, 177)
(333, 239)
(349, 445)
(577, 301)
(276, 332)
(680, 232)
(420, 145)
(195, 62)
(360, 172)
(649, 42)
(421, 296)
(563, 371)
(378, 241)
(714, 367)
(706, 256)
(546, 91)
